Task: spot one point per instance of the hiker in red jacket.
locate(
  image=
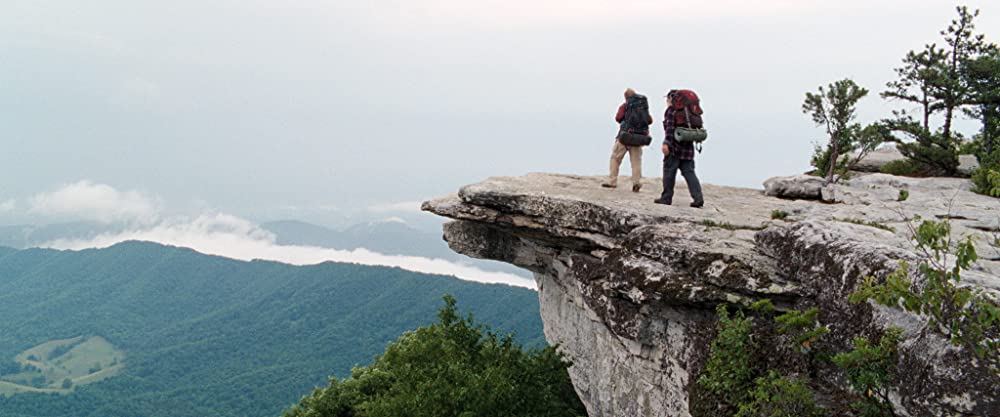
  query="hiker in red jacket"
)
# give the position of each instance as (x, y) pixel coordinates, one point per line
(634, 152)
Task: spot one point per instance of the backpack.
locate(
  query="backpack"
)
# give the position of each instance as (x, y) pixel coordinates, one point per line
(634, 129)
(688, 124)
(636, 112)
(687, 109)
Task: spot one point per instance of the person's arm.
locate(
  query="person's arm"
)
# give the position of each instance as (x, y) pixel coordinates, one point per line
(649, 117)
(621, 113)
(668, 127)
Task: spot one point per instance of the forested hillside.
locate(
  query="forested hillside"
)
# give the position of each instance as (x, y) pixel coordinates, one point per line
(209, 336)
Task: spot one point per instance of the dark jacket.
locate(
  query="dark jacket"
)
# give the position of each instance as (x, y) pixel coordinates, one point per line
(684, 151)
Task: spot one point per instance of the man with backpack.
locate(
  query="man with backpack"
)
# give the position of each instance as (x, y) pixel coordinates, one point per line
(634, 119)
(684, 112)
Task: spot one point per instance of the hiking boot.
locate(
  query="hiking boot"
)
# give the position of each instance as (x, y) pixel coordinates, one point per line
(661, 201)
(698, 205)
(636, 188)
(606, 185)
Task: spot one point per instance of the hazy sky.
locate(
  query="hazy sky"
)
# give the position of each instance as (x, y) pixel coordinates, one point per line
(323, 109)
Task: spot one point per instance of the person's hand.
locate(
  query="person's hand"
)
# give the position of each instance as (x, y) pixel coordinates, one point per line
(666, 149)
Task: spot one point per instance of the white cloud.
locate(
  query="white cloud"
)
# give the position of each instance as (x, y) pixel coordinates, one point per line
(8, 205)
(233, 237)
(398, 207)
(85, 200)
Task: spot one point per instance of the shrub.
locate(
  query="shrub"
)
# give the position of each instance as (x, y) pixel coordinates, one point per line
(803, 327)
(906, 168)
(968, 316)
(986, 181)
(729, 373)
(779, 214)
(903, 195)
(870, 369)
(775, 395)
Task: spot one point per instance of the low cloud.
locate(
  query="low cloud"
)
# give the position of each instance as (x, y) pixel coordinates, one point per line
(233, 237)
(7, 205)
(398, 207)
(103, 203)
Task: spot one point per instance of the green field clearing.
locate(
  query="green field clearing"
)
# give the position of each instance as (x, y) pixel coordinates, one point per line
(58, 366)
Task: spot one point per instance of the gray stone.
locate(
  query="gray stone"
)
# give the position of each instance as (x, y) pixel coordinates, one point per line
(628, 287)
(796, 187)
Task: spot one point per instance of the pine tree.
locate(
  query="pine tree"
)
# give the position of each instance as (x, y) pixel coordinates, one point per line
(834, 108)
(935, 79)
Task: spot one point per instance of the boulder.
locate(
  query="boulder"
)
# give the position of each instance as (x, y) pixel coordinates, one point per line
(795, 187)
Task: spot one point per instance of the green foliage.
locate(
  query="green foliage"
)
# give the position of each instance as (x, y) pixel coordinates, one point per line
(906, 168)
(903, 195)
(775, 395)
(803, 328)
(942, 81)
(982, 75)
(930, 153)
(834, 109)
(454, 367)
(209, 336)
(764, 306)
(729, 372)
(968, 316)
(986, 181)
(779, 214)
(870, 370)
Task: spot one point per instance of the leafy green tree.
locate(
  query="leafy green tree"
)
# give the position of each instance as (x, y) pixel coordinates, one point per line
(454, 367)
(870, 370)
(834, 109)
(967, 315)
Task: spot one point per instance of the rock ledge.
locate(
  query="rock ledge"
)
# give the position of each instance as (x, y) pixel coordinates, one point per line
(628, 287)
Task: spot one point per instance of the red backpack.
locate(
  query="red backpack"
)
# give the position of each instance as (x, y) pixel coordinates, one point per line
(687, 108)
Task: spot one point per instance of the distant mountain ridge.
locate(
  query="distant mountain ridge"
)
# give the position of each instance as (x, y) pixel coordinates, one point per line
(211, 336)
(386, 237)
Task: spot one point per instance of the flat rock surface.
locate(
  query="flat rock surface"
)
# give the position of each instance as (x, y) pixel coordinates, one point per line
(560, 200)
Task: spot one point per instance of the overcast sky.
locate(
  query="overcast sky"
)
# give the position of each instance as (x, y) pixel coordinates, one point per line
(312, 109)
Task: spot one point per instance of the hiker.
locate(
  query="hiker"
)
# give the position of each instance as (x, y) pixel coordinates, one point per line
(683, 110)
(633, 133)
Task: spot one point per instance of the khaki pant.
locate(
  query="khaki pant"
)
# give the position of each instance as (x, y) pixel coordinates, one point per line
(635, 158)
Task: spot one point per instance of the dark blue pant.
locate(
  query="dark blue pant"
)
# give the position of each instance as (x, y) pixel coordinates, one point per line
(670, 166)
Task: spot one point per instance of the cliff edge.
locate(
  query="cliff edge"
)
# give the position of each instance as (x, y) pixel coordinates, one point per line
(628, 287)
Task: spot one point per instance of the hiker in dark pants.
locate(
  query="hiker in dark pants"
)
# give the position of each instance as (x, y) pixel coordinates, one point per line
(677, 155)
